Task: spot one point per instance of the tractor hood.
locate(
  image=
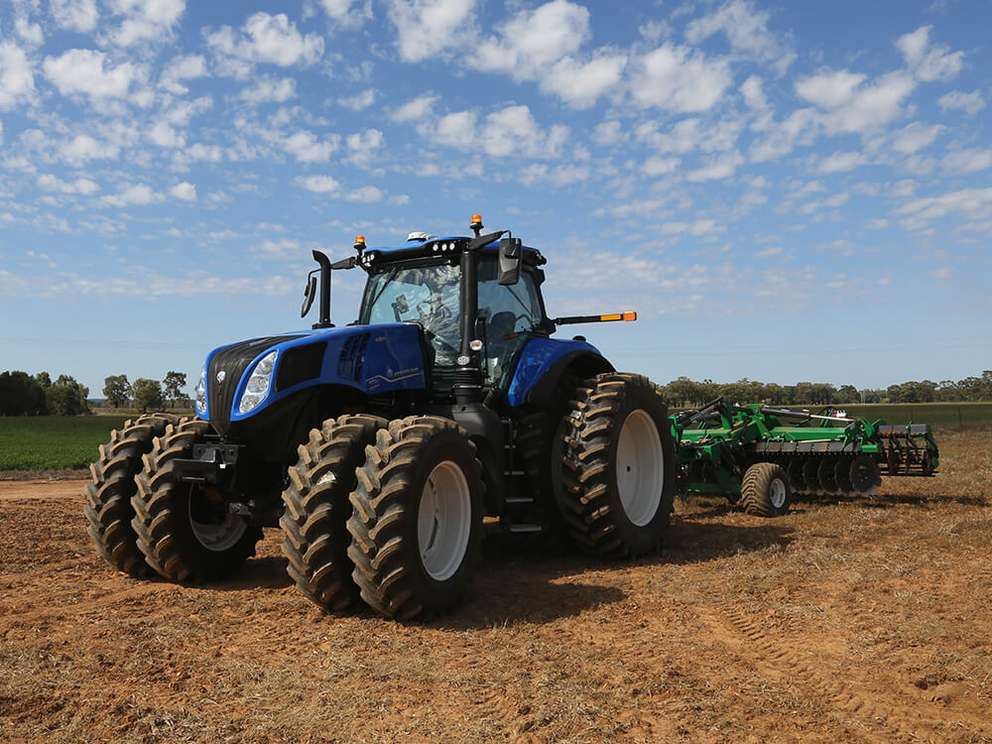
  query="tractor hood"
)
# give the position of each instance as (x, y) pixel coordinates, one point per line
(373, 359)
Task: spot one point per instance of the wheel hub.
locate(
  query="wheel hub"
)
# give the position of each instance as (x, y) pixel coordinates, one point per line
(640, 467)
(444, 520)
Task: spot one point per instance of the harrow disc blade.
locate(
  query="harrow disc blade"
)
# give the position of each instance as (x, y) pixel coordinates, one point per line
(864, 474)
(795, 473)
(825, 474)
(893, 461)
(842, 474)
(810, 467)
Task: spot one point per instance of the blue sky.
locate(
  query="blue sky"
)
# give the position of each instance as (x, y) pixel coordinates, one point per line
(789, 191)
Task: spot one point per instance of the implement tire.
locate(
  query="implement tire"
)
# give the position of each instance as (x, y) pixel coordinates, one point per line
(765, 490)
(170, 516)
(314, 525)
(416, 522)
(108, 506)
(619, 467)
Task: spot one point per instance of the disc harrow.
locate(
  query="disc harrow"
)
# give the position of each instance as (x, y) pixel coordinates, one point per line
(820, 453)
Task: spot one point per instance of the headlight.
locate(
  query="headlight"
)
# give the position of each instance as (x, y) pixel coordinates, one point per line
(258, 385)
(201, 393)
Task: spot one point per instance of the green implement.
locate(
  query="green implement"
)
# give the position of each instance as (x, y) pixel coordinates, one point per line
(759, 456)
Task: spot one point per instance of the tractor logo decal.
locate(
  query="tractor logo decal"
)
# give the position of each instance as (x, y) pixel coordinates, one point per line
(391, 377)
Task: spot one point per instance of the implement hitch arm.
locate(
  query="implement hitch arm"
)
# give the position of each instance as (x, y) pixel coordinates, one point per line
(627, 315)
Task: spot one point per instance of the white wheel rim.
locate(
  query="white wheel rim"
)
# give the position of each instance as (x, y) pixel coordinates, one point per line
(216, 537)
(640, 467)
(444, 521)
(776, 493)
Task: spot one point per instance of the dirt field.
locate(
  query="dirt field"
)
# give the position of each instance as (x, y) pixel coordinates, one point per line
(855, 621)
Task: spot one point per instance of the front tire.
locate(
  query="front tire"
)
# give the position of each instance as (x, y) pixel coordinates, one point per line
(314, 525)
(416, 523)
(619, 467)
(108, 506)
(185, 530)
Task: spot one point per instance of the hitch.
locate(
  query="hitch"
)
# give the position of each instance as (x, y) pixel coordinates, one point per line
(211, 463)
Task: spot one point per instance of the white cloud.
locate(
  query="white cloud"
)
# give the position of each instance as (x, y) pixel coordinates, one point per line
(698, 228)
(83, 186)
(415, 109)
(83, 71)
(746, 29)
(607, 132)
(347, 13)
(679, 79)
(359, 101)
(161, 133)
(306, 147)
(851, 105)
(840, 162)
(134, 195)
(269, 90)
(915, 137)
(581, 84)
(829, 89)
(541, 45)
(363, 145)
(145, 20)
(717, 167)
(507, 131)
(929, 62)
(30, 33)
(365, 195)
(753, 91)
(968, 160)
(83, 148)
(690, 134)
(184, 191)
(264, 38)
(957, 100)
(16, 78)
(457, 129)
(188, 67)
(75, 15)
(969, 203)
(426, 28)
(319, 184)
(657, 166)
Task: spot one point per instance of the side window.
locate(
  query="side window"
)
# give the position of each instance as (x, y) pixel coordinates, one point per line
(509, 312)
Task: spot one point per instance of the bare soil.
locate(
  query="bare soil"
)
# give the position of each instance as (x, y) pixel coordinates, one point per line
(846, 621)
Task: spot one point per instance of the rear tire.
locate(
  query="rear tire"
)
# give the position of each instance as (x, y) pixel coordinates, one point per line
(618, 468)
(314, 525)
(108, 506)
(183, 537)
(765, 490)
(416, 522)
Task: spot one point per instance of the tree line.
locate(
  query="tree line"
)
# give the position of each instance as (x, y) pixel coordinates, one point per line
(684, 392)
(22, 394)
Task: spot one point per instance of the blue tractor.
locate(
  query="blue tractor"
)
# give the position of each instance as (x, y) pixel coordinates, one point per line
(385, 449)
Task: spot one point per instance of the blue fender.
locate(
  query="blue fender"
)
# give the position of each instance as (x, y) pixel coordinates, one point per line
(541, 362)
(372, 359)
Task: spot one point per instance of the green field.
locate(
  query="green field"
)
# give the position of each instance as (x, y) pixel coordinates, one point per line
(52, 442)
(938, 415)
(60, 443)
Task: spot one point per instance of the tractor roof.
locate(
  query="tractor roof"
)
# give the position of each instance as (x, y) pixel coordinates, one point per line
(435, 246)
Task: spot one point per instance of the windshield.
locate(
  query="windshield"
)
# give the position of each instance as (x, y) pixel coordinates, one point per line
(428, 295)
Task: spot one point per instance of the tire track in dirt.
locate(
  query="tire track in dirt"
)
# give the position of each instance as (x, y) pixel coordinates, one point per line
(773, 658)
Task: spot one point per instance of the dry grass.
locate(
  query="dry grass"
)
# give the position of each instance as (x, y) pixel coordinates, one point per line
(844, 621)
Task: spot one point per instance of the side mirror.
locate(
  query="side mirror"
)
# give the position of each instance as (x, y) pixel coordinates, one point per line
(510, 253)
(309, 293)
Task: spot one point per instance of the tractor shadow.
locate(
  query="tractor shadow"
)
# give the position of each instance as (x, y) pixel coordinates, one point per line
(523, 581)
(265, 572)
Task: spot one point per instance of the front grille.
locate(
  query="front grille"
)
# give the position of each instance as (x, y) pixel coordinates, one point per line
(233, 360)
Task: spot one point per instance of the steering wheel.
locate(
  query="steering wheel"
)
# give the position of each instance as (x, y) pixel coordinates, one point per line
(434, 338)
